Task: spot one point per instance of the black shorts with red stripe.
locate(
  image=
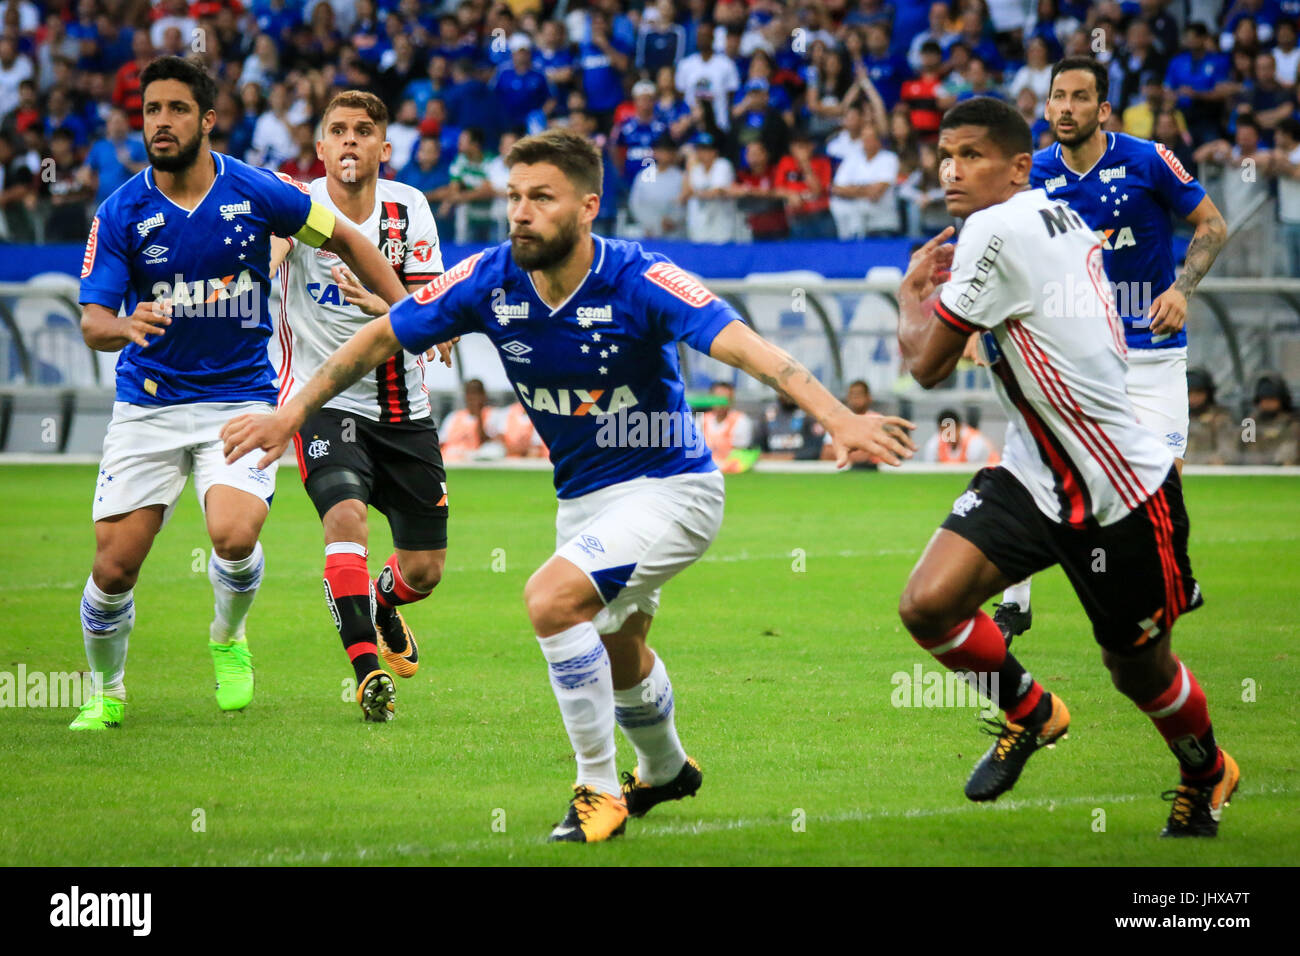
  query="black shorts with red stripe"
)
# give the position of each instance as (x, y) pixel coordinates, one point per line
(395, 466)
(1133, 577)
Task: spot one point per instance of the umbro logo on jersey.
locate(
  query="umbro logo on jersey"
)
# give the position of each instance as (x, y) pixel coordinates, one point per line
(149, 225)
(1106, 175)
(588, 314)
(156, 254)
(232, 209)
(1056, 182)
(515, 352)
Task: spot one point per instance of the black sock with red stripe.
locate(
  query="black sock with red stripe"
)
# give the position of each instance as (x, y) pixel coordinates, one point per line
(392, 590)
(351, 600)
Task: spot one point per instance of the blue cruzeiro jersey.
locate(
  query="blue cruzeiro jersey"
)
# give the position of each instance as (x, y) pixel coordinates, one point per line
(598, 373)
(212, 263)
(1128, 198)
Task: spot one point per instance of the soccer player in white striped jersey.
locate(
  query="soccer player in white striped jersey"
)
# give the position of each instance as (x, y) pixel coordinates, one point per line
(1081, 483)
(376, 443)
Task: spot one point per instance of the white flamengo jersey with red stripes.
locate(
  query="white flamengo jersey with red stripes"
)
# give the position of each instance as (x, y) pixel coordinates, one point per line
(313, 319)
(1028, 274)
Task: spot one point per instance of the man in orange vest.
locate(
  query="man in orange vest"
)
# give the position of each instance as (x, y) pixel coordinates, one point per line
(726, 428)
(958, 443)
(517, 434)
(465, 429)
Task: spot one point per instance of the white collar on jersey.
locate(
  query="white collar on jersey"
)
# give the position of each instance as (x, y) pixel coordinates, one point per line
(594, 270)
(218, 160)
(1110, 144)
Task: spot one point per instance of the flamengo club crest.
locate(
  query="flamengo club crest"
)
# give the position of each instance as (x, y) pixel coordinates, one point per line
(318, 448)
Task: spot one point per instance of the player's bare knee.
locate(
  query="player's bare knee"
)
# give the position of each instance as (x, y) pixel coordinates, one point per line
(234, 542)
(548, 609)
(346, 521)
(113, 575)
(925, 610)
(422, 572)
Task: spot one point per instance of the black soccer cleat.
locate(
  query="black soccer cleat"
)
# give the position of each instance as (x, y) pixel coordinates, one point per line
(999, 769)
(1011, 620)
(642, 797)
(1197, 808)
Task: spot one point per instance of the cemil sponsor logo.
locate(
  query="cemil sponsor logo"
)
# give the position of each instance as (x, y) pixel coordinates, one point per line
(146, 226)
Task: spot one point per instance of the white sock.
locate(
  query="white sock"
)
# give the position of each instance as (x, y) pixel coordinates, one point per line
(1018, 594)
(106, 622)
(645, 713)
(584, 689)
(234, 585)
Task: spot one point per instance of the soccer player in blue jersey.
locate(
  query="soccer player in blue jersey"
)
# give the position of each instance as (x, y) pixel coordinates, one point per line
(587, 328)
(1128, 190)
(185, 244)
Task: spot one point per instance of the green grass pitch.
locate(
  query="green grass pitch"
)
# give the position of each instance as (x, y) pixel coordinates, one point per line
(783, 681)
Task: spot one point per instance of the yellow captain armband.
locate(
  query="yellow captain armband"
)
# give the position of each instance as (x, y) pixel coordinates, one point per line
(318, 228)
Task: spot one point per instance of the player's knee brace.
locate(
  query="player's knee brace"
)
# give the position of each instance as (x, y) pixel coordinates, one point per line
(328, 487)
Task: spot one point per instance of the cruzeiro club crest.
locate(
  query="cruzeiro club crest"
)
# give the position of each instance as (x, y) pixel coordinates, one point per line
(319, 448)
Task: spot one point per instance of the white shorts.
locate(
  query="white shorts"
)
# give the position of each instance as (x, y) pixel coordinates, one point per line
(149, 451)
(1157, 386)
(632, 537)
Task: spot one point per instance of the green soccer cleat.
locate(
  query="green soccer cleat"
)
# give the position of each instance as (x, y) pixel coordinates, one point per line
(233, 664)
(99, 713)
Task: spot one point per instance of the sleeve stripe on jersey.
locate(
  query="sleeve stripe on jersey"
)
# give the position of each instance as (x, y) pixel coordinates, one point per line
(442, 283)
(952, 320)
(422, 276)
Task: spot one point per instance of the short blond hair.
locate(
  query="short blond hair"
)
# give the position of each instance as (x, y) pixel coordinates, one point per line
(359, 100)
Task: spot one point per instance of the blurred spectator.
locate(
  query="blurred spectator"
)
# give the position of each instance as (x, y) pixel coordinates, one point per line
(670, 107)
(1286, 166)
(724, 426)
(1140, 119)
(710, 210)
(17, 194)
(174, 16)
(602, 60)
(272, 135)
(59, 116)
(637, 135)
(1272, 435)
(863, 195)
(1199, 77)
(887, 70)
(306, 166)
(655, 202)
(922, 195)
(498, 176)
(1134, 66)
(115, 158)
(1286, 55)
(659, 41)
(979, 82)
(1212, 434)
(805, 180)
(759, 195)
(429, 174)
(1170, 131)
(554, 58)
(399, 68)
(754, 119)
(1035, 75)
(433, 85)
(1265, 98)
(975, 35)
(514, 430)
(849, 137)
(67, 193)
(1164, 26)
(1244, 166)
(28, 112)
(465, 430)
(14, 68)
(521, 88)
(921, 93)
(263, 64)
(786, 432)
(708, 77)
(828, 86)
(858, 399)
(471, 194)
(28, 14)
(957, 443)
(404, 133)
(939, 32)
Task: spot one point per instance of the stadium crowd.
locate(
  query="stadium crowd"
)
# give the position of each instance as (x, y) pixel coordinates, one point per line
(720, 122)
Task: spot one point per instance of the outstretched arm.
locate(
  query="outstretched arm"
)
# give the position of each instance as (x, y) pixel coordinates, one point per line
(884, 439)
(366, 261)
(272, 433)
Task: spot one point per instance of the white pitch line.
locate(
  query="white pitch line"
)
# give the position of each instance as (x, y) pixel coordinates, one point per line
(651, 830)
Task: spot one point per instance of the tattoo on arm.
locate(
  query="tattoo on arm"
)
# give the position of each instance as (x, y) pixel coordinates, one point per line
(787, 371)
(1201, 253)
